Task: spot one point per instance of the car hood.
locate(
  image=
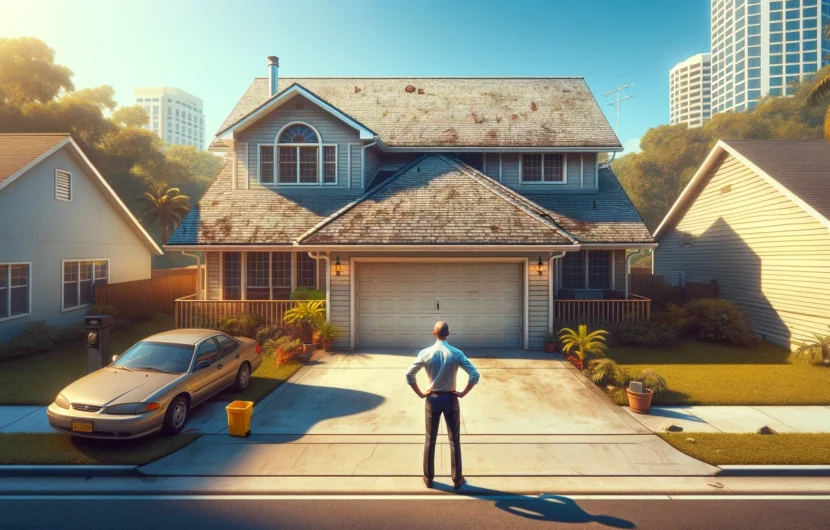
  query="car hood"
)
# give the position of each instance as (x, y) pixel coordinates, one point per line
(110, 386)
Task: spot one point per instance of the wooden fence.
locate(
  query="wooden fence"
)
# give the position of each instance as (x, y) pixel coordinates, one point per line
(640, 270)
(656, 288)
(147, 298)
(192, 313)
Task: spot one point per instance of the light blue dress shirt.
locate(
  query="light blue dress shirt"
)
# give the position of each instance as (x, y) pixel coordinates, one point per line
(441, 362)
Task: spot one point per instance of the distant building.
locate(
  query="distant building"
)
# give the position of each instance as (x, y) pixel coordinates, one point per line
(175, 115)
(761, 46)
(690, 85)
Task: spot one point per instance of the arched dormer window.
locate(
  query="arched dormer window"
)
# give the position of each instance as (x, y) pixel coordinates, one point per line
(301, 158)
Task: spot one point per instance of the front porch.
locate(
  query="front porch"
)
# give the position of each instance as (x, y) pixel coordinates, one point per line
(192, 313)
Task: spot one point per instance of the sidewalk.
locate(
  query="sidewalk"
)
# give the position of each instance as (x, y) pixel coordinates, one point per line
(745, 419)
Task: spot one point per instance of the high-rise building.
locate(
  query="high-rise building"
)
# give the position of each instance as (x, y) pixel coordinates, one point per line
(175, 115)
(760, 46)
(690, 85)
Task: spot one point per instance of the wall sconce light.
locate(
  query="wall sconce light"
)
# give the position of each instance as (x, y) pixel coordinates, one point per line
(539, 266)
(337, 266)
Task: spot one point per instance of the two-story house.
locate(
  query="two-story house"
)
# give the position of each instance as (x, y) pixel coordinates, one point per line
(479, 201)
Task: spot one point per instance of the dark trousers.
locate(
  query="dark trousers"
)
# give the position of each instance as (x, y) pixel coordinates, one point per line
(436, 405)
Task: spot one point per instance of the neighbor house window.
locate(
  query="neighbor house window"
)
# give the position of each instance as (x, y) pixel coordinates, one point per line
(298, 155)
(548, 167)
(599, 269)
(15, 284)
(573, 271)
(587, 270)
(306, 271)
(266, 164)
(79, 281)
(232, 276)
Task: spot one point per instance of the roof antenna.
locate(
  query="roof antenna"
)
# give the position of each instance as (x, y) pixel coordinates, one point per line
(617, 101)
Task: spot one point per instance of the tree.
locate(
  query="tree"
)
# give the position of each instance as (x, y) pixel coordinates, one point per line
(164, 207)
(821, 90)
(132, 116)
(28, 73)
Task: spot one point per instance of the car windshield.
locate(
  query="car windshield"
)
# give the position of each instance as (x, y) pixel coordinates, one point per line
(156, 357)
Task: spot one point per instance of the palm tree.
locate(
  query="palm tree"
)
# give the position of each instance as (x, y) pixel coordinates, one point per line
(822, 89)
(586, 344)
(164, 206)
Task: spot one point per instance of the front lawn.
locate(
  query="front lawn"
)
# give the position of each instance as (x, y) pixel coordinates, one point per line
(701, 373)
(37, 379)
(264, 381)
(753, 449)
(62, 449)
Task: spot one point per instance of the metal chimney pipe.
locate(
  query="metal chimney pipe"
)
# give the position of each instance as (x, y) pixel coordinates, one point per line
(273, 73)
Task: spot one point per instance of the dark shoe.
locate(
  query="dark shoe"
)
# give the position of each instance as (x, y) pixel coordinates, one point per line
(457, 485)
(427, 482)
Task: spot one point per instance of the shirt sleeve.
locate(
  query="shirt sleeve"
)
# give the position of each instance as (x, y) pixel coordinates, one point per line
(414, 368)
(468, 367)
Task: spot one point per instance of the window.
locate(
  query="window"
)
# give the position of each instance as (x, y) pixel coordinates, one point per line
(306, 271)
(266, 164)
(14, 290)
(548, 167)
(232, 276)
(330, 164)
(63, 185)
(599, 269)
(80, 279)
(257, 276)
(226, 346)
(208, 351)
(573, 271)
(280, 275)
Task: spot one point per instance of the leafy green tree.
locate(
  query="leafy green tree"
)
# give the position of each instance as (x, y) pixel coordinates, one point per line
(164, 207)
(820, 92)
(132, 116)
(28, 73)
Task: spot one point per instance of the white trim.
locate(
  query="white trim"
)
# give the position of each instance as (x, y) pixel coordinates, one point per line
(8, 302)
(708, 165)
(233, 173)
(221, 275)
(624, 246)
(543, 181)
(538, 149)
(259, 165)
(613, 270)
(581, 170)
(501, 169)
(17, 174)
(78, 281)
(293, 123)
(349, 164)
(398, 248)
(68, 174)
(278, 99)
(245, 165)
(336, 165)
(519, 260)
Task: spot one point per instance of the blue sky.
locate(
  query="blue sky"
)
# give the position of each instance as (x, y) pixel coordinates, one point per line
(213, 49)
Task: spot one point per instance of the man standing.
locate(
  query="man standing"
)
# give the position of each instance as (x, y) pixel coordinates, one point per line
(441, 362)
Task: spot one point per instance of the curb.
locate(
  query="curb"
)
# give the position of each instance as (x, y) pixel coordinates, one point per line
(774, 471)
(70, 471)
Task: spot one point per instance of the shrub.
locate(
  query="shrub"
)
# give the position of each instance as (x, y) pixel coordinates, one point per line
(636, 333)
(33, 338)
(284, 348)
(100, 309)
(267, 333)
(614, 379)
(585, 345)
(70, 333)
(818, 348)
(305, 293)
(677, 317)
(243, 325)
(718, 320)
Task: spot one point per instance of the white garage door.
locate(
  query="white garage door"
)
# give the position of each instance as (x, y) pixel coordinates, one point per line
(399, 303)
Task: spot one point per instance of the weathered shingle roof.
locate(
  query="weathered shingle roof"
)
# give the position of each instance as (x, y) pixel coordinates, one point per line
(18, 150)
(605, 217)
(438, 200)
(458, 112)
(801, 166)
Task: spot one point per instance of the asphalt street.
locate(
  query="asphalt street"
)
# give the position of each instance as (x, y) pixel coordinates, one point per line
(420, 512)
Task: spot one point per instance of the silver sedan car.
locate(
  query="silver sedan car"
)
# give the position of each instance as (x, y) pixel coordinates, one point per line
(154, 385)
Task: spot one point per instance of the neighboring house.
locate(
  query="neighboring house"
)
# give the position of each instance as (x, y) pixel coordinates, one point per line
(410, 200)
(755, 219)
(63, 231)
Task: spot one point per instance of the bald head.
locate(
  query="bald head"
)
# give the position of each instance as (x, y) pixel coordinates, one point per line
(441, 330)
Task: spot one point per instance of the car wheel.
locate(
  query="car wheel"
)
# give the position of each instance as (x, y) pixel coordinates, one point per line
(243, 377)
(176, 415)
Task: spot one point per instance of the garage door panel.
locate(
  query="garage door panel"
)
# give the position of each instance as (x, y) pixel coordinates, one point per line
(481, 301)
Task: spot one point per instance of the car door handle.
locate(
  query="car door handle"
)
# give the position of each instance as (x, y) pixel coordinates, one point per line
(237, 356)
(219, 367)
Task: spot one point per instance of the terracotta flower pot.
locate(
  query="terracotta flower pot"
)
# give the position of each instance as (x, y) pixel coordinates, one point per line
(640, 402)
(327, 344)
(550, 347)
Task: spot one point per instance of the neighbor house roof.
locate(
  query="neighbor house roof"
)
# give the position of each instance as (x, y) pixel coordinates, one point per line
(18, 151)
(455, 111)
(434, 200)
(796, 168)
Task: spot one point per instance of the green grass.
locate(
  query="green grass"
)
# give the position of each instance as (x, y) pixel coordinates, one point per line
(700, 373)
(754, 449)
(37, 379)
(62, 449)
(267, 378)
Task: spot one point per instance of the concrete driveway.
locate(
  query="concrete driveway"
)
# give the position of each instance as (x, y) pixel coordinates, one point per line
(353, 415)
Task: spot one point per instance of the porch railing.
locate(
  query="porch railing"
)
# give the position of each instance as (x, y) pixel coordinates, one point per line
(192, 313)
(602, 311)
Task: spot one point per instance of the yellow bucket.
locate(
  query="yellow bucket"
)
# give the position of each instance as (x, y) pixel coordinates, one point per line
(239, 417)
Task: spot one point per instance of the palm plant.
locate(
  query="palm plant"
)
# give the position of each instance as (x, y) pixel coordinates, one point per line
(607, 373)
(164, 206)
(819, 93)
(821, 346)
(304, 315)
(585, 345)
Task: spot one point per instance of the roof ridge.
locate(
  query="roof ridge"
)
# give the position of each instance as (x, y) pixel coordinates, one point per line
(430, 77)
(513, 197)
(368, 193)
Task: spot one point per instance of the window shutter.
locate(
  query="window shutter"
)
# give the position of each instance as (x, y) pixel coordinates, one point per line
(63, 185)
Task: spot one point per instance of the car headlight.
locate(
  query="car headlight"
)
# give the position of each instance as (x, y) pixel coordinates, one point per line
(62, 402)
(131, 408)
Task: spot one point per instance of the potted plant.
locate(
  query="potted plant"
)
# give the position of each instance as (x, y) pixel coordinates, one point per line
(327, 332)
(550, 343)
(585, 345)
(305, 316)
(819, 348)
(617, 381)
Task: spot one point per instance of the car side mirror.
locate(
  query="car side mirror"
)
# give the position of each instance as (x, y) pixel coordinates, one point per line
(201, 365)
(115, 358)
